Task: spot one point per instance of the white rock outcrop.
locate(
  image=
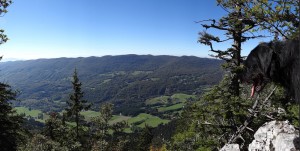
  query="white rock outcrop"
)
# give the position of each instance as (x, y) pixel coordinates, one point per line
(275, 136)
(231, 147)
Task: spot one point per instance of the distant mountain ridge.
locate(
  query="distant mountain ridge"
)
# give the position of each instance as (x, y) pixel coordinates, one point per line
(121, 79)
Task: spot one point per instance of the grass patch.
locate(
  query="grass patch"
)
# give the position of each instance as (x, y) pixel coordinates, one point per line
(153, 122)
(147, 119)
(32, 113)
(172, 107)
(89, 114)
(175, 98)
(118, 118)
(115, 118)
(161, 99)
(135, 73)
(183, 97)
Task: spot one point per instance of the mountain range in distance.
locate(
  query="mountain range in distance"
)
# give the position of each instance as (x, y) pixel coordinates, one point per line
(125, 80)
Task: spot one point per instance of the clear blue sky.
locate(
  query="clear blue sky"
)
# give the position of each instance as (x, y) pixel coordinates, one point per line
(73, 28)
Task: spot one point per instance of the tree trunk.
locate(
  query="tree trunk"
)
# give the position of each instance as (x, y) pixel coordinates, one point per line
(77, 122)
(237, 55)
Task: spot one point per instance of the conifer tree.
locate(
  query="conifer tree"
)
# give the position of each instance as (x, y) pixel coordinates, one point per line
(76, 103)
(10, 122)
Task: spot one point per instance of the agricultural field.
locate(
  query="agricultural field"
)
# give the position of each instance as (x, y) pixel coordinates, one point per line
(170, 104)
(89, 114)
(140, 120)
(119, 118)
(27, 111)
(148, 119)
(171, 108)
(36, 114)
(175, 98)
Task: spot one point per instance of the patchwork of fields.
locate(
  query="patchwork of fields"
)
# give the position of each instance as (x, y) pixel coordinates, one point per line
(163, 104)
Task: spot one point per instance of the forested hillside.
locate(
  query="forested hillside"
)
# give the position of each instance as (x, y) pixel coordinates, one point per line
(127, 80)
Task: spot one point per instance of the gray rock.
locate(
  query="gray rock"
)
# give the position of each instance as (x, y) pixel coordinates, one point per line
(275, 136)
(231, 147)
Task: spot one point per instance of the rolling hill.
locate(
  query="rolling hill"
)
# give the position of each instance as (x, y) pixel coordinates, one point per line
(127, 80)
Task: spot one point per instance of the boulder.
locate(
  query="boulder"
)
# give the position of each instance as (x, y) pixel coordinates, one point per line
(275, 136)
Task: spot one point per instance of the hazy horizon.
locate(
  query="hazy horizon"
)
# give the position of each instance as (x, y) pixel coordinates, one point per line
(53, 29)
(4, 59)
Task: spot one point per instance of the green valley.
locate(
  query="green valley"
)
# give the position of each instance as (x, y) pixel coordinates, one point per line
(131, 82)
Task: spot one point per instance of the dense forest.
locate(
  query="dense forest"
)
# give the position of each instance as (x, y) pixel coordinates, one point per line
(140, 103)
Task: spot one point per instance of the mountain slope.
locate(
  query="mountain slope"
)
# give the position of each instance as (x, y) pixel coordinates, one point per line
(127, 79)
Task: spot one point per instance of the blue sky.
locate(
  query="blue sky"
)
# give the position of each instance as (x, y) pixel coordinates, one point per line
(73, 28)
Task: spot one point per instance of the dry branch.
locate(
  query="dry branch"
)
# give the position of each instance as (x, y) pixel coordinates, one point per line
(256, 108)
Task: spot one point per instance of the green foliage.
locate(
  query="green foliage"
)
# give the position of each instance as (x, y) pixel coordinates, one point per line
(76, 104)
(52, 126)
(58, 131)
(215, 118)
(101, 121)
(283, 108)
(277, 17)
(145, 138)
(41, 143)
(292, 114)
(224, 108)
(10, 122)
(102, 127)
(119, 127)
(102, 141)
(144, 119)
(212, 120)
(3, 9)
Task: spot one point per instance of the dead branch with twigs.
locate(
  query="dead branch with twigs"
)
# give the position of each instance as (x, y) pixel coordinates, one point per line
(253, 112)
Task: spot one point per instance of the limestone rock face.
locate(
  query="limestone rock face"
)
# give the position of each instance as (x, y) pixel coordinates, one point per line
(275, 136)
(231, 147)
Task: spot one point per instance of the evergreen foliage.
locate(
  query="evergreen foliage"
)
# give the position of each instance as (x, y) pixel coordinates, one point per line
(11, 133)
(102, 127)
(76, 103)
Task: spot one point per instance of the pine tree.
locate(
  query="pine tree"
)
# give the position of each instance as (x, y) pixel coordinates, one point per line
(53, 127)
(10, 122)
(76, 103)
(227, 107)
